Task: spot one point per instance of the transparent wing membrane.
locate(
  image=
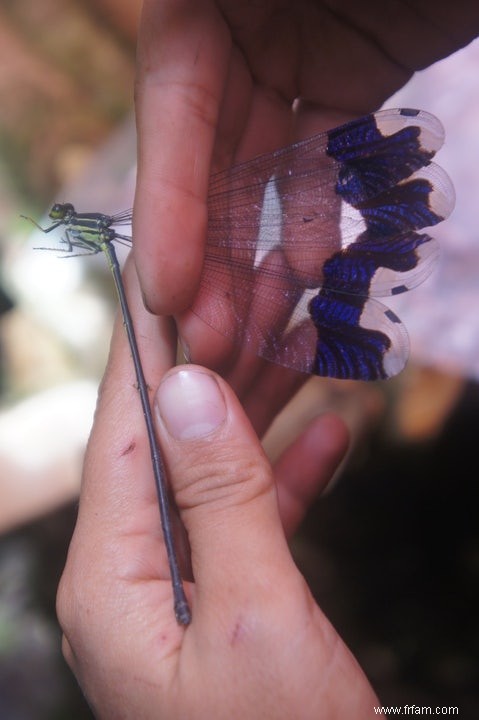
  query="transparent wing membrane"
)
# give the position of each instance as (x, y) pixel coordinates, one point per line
(301, 239)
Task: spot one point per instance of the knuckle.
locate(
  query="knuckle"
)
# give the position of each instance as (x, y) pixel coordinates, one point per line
(224, 479)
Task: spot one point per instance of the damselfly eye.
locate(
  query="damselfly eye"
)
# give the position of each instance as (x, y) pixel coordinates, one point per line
(59, 211)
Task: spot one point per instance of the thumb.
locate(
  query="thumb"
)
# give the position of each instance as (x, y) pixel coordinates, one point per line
(224, 489)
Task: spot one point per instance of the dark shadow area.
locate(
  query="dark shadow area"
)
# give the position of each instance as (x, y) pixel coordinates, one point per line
(392, 555)
(35, 682)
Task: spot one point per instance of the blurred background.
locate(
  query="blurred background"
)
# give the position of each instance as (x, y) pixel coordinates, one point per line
(392, 550)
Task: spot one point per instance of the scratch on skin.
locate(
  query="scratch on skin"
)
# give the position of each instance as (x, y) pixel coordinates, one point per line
(131, 447)
(238, 632)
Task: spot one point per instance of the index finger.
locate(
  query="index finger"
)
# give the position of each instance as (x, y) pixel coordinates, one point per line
(183, 51)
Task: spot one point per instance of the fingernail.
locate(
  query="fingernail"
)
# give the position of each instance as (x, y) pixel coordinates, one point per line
(190, 404)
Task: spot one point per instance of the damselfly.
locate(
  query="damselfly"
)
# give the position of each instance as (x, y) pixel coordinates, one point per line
(299, 241)
(91, 233)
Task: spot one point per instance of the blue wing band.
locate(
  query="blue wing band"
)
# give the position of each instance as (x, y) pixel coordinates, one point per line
(405, 207)
(372, 177)
(352, 270)
(345, 349)
(389, 240)
(371, 161)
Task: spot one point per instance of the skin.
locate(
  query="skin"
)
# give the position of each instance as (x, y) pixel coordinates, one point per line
(216, 85)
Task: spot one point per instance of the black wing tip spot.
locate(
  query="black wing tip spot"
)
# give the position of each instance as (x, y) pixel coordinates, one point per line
(392, 316)
(409, 112)
(399, 289)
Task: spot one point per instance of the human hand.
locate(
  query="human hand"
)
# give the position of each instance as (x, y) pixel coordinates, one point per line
(219, 82)
(258, 645)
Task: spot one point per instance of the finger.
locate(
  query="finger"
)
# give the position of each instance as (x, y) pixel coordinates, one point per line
(263, 387)
(225, 492)
(183, 61)
(306, 467)
(272, 390)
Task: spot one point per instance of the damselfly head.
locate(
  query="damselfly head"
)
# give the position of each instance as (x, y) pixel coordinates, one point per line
(60, 211)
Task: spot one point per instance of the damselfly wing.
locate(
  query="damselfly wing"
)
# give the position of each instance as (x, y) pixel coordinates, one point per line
(301, 240)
